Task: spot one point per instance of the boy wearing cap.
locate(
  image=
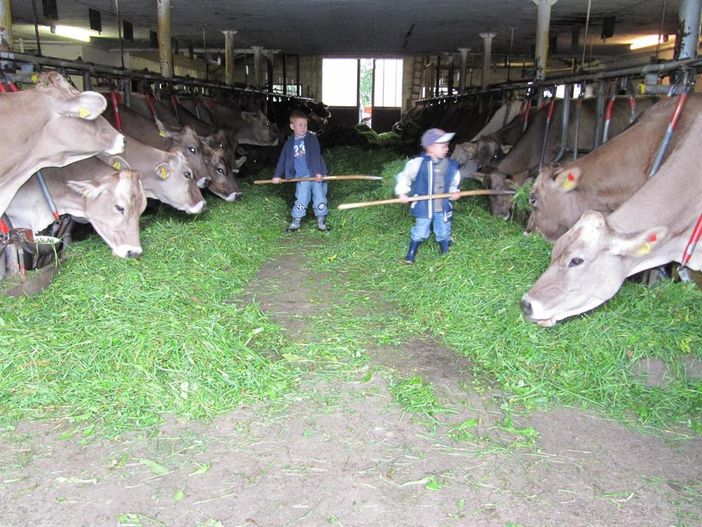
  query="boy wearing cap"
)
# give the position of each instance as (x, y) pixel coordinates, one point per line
(429, 174)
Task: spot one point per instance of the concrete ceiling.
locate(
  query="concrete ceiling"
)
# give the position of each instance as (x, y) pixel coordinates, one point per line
(365, 27)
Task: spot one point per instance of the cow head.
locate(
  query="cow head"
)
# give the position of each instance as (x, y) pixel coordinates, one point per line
(489, 151)
(176, 185)
(588, 265)
(52, 124)
(500, 206)
(187, 142)
(552, 201)
(223, 183)
(259, 130)
(113, 204)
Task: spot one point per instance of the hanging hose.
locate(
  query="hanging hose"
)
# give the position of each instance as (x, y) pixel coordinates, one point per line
(114, 99)
(668, 133)
(544, 146)
(692, 242)
(608, 117)
(47, 195)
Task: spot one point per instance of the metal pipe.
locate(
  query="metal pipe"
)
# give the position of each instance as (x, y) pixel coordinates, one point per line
(98, 70)
(578, 113)
(600, 108)
(119, 33)
(543, 23)
(47, 195)
(565, 121)
(165, 44)
(689, 30)
(487, 58)
(36, 26)
(464, 64)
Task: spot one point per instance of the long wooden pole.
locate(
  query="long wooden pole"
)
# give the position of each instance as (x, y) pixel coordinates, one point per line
(360, 204)
(325, 178)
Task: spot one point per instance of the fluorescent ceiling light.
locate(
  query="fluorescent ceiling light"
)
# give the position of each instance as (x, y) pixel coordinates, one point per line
(649, 40)
(76, 33)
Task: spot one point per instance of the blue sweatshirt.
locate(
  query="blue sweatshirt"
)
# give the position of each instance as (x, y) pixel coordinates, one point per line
(313, 155)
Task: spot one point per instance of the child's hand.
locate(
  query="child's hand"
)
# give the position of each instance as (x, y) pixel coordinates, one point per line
(404, 198)
(276, 180)
(318, 177)
(454, 196)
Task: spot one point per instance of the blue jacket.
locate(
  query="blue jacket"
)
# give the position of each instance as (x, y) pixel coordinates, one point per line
(313, 156)
(417, 180)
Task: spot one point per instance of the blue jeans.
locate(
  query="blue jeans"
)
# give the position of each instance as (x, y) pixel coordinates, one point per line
(317, 190)
(421, 229)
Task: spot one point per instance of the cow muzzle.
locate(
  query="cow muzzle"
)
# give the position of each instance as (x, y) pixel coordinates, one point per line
(127, 251)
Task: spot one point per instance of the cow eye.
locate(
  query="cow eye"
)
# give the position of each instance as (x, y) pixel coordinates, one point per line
(188, 175)
(120, 209)
(532, 200)
(221, 146)
(192, 149)
(268, 123)
(574, 262)
(220, 170)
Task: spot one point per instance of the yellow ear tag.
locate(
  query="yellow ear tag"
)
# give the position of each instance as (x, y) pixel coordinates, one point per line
(163, 173)
(162, 133)
(568, 182)
(117, 165)
(645, 249)
(83, 112)
(35, 78)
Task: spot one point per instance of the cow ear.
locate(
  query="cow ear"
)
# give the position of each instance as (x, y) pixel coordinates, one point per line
(87, 105)
(119, 163)
(162, 130)
(88, 189)
(249, 117)
(567, 180)
(471, 149)
(640, 244)
(162, 170)
(505, 149)
(240, 161)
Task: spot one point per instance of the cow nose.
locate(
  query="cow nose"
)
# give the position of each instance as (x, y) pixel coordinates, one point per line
(133, 253)
(526, 307)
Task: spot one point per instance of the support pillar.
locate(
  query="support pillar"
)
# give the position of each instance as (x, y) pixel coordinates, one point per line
(687, 40)
(229, 56)
(487, 58)
(258, 69)
(464, 65)
(165, 43)
(543, 24)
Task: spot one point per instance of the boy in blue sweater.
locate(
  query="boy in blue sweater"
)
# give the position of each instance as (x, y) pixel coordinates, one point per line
(430, 174)
(302, 157)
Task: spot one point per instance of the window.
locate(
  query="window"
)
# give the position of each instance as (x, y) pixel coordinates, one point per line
(339, 82)
(388, 83)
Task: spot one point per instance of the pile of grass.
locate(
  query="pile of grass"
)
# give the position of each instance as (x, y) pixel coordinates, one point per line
(470, 299)
(119, 342)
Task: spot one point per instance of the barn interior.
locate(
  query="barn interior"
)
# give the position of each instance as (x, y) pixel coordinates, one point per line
(223, 369)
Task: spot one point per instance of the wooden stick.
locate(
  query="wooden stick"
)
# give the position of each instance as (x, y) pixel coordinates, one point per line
(325, 178)
(345, 206)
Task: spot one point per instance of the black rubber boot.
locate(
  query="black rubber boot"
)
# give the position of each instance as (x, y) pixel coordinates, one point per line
(321, 225)
(444, 246)
(294, 225)
(412, 253)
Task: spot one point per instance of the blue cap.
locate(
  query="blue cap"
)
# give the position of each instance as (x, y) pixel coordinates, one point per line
(435, 135)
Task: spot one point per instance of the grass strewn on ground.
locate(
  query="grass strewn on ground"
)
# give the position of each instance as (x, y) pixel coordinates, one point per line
(118, 342)
(470, 299)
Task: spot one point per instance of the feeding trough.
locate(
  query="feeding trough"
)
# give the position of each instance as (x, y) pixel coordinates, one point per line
(40, 253)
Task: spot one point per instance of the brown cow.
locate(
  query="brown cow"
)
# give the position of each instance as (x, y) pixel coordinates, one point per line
(523, 160)
(590, 262)
(609, 175)
(52, 124)
(112, 201)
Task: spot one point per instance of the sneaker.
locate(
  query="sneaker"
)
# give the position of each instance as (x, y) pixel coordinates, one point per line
(323, 226)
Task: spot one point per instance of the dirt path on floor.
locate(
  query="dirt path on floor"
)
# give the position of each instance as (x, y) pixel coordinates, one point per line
(346, 453)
